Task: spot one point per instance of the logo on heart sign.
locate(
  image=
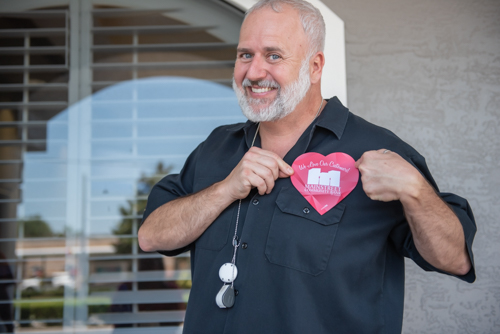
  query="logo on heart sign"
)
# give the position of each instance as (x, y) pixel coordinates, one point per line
(324, 181)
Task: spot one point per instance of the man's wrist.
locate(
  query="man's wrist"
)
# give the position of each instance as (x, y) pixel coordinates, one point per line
(221, 192)
(415, 190)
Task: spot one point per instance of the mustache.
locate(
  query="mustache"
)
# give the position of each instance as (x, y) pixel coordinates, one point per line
(261, 83)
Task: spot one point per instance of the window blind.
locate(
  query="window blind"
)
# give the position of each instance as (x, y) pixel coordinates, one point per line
(83, 137)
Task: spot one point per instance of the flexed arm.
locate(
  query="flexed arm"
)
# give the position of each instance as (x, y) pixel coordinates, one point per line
(437, 232)
(180, 222)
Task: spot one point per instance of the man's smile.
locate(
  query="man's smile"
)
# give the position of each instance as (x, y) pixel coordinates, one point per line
(261, 89)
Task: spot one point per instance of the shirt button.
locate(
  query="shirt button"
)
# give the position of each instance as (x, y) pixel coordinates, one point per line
(244, 245)
(306, 210)
(255, 201)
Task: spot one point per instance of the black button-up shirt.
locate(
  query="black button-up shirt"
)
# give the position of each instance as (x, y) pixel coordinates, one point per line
(299, 271)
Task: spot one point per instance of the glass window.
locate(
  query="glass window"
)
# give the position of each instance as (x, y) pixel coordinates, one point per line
(97, 103)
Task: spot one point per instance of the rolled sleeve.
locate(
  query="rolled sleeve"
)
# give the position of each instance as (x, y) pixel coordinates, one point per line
(463, 211)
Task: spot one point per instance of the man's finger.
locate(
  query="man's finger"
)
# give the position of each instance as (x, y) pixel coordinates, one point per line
(383, 151)
(358, 162)
(284, 169)
(266, 174)
(260, 183)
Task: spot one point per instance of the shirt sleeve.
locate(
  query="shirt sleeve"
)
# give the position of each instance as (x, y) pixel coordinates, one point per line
(462, 210)
(170, 188)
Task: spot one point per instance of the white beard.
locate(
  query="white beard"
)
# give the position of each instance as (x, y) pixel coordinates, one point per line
(285, 102)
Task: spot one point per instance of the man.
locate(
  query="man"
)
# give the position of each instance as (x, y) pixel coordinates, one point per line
(233, 205)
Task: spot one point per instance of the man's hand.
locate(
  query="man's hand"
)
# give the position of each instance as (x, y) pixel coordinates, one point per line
(386, 176)
(437, 232)
(257, 169)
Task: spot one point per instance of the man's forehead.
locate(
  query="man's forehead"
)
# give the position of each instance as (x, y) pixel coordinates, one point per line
(267, 41)
(272, 30)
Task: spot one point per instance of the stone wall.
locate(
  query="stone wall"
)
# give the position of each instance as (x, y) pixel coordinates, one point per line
(430, 71)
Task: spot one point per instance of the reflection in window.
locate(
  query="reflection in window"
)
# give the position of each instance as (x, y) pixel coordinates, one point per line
(74, 178)
(116, 202)
(121, 278)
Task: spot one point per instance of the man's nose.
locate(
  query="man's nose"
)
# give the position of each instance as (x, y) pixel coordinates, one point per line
(257, 70)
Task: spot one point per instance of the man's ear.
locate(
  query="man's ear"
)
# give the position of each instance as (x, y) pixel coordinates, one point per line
(317, 64)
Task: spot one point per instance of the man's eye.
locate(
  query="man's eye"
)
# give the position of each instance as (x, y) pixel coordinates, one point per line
(274, 57)
(246, 56)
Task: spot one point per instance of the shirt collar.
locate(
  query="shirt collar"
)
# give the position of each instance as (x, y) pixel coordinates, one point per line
(248, 127)
(333, 117)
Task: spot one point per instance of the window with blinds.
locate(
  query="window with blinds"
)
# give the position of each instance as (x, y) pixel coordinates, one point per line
(98, 101)
(33, 90)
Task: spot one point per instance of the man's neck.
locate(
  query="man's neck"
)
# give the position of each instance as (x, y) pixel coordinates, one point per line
(280, 136)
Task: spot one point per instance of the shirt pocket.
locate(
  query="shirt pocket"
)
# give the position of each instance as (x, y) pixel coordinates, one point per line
(299, 237)
(216, 235)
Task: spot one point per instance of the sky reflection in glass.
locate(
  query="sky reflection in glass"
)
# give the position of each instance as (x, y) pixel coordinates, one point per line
(122, 134)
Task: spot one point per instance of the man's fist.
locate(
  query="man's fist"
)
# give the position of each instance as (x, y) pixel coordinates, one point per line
(386, 176)
(257, 169)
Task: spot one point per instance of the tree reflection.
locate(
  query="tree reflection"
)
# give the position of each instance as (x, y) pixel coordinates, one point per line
(130, 211)
(35, 227)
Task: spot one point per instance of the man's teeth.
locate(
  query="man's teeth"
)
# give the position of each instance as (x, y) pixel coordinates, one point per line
(261, 89)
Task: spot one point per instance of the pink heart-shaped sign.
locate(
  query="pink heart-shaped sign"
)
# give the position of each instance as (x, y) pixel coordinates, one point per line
(324, 181)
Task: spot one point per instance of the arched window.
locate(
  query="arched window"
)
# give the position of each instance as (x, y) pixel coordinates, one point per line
(99, 99)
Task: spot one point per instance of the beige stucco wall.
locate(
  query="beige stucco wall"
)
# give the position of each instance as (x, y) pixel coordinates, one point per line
(430, 71)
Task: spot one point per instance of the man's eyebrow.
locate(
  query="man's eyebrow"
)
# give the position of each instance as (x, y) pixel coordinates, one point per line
(267, 49)
(243, 50)
(273, 49)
